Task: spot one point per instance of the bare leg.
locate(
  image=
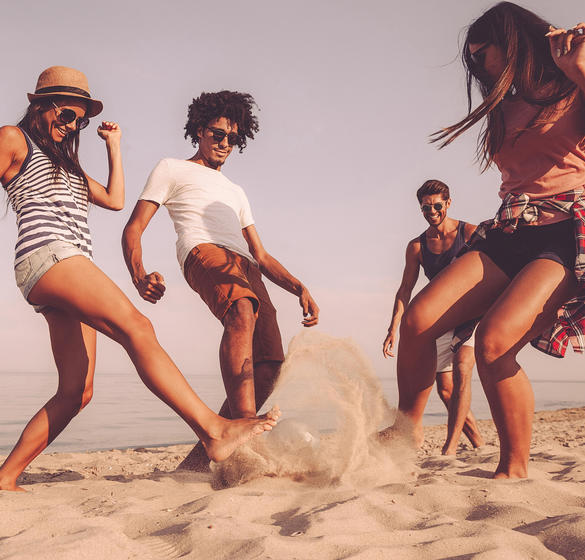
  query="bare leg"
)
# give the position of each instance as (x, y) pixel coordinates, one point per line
(460, 416)
(265, 376)
(83, 290)
(74, 348)
(526, 308)
(235, 358)
(462, 291)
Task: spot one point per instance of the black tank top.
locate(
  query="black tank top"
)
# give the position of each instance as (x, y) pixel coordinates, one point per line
(433, 263)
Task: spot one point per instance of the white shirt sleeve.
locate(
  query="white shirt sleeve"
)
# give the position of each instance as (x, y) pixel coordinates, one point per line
(246, 218)
(159, 185)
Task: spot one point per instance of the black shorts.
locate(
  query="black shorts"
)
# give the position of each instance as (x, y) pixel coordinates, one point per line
(511, 252)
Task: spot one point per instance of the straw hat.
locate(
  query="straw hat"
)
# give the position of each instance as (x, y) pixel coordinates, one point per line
(60, 80)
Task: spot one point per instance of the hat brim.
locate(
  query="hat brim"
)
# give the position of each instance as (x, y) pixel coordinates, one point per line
(94, 107)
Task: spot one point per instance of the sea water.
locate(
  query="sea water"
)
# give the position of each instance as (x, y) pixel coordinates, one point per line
(124, 413)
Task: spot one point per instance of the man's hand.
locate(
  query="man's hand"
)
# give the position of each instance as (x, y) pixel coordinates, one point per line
(388, 346)
(310, 308)
(151, 287)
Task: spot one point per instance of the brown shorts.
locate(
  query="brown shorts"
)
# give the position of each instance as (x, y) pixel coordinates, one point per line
(221, 277)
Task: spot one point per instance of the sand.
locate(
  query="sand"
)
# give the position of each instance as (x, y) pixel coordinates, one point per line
(340, 495)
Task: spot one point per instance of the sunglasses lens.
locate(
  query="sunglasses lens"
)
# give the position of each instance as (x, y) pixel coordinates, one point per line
(438, 206)
(67, 116)
(82, 123)
(233, 138)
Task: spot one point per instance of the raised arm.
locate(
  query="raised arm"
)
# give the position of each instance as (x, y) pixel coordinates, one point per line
(409, 278)
(275, 272)
(111, 196)
(151, 287)
(567, 48)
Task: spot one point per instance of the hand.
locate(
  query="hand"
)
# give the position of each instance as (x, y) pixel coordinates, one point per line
(387, 348)
(310, 309)
(109, 131)
(567, 48)
(151, 287)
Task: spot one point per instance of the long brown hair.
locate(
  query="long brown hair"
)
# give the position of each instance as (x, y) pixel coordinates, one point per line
(530, 74)
(64, 154)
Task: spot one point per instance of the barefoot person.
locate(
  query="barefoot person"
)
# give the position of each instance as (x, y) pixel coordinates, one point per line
(219, 251)
(524, 276)
(433, 250)
(50, 193)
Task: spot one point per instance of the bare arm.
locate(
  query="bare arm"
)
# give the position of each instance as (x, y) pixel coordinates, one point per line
(275, 272)
(151, 287)
(111, 196)
(13, 150)
(567, 48)
(409, 278)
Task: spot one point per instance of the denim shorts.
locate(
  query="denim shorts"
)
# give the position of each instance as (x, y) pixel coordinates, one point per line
(29, 271)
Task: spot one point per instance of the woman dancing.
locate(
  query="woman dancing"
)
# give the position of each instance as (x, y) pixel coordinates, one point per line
(524, 266)
(49, 192)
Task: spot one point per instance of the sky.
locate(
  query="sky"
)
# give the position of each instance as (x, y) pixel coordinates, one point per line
(348, 93)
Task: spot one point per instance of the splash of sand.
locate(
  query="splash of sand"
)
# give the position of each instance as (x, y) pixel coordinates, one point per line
(333, 406)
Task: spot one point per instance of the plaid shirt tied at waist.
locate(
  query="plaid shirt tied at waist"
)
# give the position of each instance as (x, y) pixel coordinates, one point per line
(518, 210)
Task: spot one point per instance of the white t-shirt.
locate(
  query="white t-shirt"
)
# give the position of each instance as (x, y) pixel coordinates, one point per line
(205, 206)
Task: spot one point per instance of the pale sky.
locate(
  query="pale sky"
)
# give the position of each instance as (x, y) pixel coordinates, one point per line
(348, 94)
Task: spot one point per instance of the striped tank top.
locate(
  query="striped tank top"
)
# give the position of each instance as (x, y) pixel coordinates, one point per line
(49, 206)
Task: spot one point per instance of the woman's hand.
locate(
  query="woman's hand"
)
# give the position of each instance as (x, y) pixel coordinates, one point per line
(567, 47)
(109, 131)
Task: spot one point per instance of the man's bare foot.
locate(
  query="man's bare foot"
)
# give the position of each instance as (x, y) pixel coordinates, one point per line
(511, 471)
(234, 433)
(449, 450)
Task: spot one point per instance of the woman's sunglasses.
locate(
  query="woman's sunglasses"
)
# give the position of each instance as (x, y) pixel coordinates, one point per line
(437, 206)
(478, 57)
(67, 116)
(233, 138)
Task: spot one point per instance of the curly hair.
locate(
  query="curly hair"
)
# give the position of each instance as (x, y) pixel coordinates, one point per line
(234, 106)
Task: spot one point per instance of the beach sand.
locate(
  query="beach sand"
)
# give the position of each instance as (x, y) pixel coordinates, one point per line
(131, 504)
(317, 486)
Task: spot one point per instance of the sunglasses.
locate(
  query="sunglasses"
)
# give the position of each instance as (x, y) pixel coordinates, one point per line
(233, 138)
(478, 57)
(67, 116)
(437, 206)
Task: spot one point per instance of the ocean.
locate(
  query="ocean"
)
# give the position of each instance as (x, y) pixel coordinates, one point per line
(124, 414)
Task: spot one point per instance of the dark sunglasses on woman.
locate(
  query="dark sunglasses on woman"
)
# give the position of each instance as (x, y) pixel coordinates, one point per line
(233, 138)
(67, 116)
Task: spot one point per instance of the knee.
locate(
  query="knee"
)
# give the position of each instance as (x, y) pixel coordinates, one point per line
(240, 316)
(414, 322)
(490, 346)
(135, 326)
(75, 399)
(444, 391)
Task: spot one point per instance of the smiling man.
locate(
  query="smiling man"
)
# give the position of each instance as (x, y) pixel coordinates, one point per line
(220, 252)
(433, 250)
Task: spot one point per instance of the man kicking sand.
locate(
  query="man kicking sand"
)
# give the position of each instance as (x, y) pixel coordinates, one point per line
(220, 253)
(433, 250)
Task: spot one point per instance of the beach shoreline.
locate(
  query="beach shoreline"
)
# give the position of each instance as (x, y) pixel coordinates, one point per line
(131, 503)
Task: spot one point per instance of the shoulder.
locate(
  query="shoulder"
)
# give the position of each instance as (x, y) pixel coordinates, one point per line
(11, 138)
(468, 230)
(413, 247)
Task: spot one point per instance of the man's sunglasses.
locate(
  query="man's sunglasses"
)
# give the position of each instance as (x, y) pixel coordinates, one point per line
(233, 138)
(437, 206)
(67, 116)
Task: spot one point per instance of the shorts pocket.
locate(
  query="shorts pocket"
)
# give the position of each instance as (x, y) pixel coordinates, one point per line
(22, 272)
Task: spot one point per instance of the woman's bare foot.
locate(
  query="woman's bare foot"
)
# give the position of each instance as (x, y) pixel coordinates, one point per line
(233, 433)
(403, 428)
(10, 486)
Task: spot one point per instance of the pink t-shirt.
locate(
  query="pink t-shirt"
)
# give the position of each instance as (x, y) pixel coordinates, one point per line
(547, 160)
